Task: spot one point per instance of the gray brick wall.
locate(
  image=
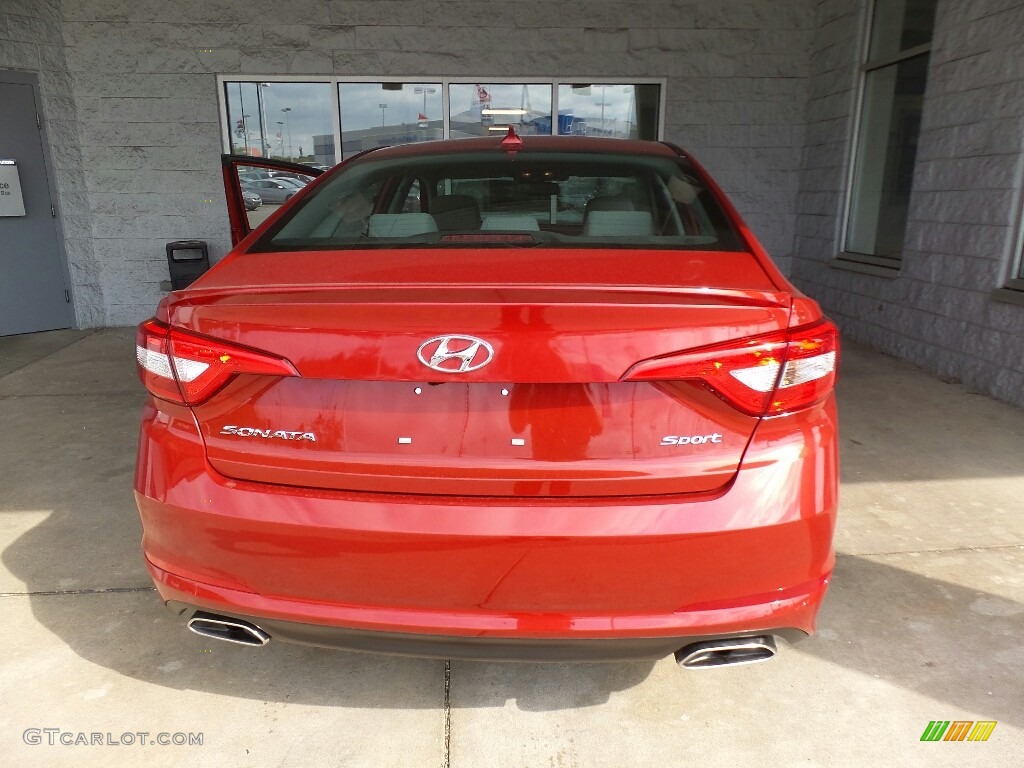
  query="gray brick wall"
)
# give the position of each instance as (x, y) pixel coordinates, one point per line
(146, 95)
(940, 311)
(31, 41)
(762, 92)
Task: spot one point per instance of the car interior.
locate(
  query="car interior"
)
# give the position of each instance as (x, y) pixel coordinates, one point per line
(543, 201)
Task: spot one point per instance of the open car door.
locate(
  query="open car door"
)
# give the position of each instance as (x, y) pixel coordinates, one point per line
(256, 187)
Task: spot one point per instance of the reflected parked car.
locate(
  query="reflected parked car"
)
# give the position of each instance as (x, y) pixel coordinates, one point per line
(480, 428)
(251, 200)
(271, 190)
(297, 177)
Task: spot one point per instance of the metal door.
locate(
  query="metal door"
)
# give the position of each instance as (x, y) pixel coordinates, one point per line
(33, 289)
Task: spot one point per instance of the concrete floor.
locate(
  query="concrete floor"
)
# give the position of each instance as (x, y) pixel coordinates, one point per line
(925, 619)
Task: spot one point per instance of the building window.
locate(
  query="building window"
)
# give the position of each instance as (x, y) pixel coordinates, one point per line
(1016, 281)
(894, 77)
(485, 109)
(308, 119)
(388, 113)
(281, 120)
(607, 109)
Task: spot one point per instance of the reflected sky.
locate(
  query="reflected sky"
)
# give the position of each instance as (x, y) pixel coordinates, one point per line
(288, 134)
(361, 104)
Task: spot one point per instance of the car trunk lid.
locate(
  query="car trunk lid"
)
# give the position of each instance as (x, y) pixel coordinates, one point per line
(547, 415)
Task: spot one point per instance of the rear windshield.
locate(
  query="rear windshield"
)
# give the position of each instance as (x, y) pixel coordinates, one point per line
(556, 199)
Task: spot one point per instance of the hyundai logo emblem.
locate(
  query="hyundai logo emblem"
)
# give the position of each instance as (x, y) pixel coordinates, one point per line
(455, 354)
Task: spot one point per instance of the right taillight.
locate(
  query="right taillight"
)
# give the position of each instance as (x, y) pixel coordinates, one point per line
(762, 375)
(187, 368)
(809, 374)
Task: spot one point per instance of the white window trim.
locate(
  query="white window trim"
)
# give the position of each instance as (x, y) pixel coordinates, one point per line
(335, 80)
(1015, 277)
(883, 264)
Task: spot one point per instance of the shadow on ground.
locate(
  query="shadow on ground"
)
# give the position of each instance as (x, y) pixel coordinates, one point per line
(131, 633)
(955, 644)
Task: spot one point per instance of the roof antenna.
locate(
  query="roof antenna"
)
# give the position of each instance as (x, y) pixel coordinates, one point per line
(511, 143)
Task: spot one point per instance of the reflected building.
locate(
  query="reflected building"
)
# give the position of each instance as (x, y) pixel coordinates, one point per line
(355, 141)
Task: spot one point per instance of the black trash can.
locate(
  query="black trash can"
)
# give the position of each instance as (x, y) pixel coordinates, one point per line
(186, 260)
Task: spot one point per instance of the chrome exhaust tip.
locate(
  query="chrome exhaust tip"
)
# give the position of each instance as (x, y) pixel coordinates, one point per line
(227, 629)
(726, 652)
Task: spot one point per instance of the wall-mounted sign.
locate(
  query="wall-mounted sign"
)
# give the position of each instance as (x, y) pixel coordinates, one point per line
(11, 203)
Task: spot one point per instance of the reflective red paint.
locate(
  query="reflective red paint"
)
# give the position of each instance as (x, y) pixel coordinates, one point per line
(494, 567)
(536, 496)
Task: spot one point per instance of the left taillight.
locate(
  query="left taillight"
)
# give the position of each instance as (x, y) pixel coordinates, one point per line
(760, 376)
(187, 368)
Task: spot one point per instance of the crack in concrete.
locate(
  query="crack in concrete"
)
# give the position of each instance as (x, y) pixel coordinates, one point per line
(894, 553)
(446, 763)
(57, 592)
(76, 394)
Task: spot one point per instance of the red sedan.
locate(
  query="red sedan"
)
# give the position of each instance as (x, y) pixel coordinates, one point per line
(538, 398)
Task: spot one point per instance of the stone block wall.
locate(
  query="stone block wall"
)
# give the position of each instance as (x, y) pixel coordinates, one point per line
(143, 78)
(763, 93)
(944, 310)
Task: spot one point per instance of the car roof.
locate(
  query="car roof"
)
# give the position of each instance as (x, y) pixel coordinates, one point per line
(583, 144)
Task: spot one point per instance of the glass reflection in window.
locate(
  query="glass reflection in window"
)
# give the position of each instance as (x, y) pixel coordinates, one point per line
(386, 114)
(282, 121)
(609, 110)
(489, 109)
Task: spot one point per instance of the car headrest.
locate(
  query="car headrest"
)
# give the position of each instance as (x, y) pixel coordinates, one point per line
(401, 224)
(511, 222)
(455, 212)
(618, 224)
(608, 203)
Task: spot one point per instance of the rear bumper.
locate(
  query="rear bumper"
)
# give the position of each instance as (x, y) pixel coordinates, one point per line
(466, 577)
(484, 648)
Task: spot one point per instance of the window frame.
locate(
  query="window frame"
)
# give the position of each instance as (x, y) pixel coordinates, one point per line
(1015, 278)
(871, 263)
(444, 81)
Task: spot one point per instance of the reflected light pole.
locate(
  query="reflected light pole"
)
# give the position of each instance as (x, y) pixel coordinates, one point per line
(261, 97)
(602, 104)
(245, 128)
(424, 91)
(245, 133)
(288, 128)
